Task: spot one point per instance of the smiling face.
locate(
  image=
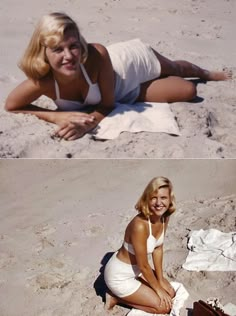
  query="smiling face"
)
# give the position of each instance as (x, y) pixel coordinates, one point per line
(159, 201)
(64, 58)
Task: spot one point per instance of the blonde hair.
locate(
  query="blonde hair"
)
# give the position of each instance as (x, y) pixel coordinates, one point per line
(48, 33)
(153, 186)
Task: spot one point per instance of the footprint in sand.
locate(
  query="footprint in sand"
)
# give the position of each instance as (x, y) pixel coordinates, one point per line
(56, 280)
(44, 230)
(53, 273)
(50, 280)
(43, 244)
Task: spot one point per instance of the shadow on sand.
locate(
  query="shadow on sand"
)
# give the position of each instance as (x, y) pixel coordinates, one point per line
(99, 284)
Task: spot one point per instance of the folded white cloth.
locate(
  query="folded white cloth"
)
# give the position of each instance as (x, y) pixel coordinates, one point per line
(178, 302)
(211, 250)
(138, 117)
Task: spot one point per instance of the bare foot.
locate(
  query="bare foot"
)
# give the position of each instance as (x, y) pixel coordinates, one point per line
(111, 301)
(218, 75)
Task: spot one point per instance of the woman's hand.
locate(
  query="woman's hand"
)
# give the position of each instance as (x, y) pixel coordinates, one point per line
(73, 125)
(165, 284)
(165, 298)
(63, 118)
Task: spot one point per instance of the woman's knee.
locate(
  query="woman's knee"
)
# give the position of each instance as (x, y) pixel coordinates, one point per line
(162, 310)
(190, 90)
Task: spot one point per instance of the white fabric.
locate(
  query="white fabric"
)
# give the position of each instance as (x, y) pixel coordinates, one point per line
(180, 298)
(120, 277)
(211, 250)
(230, 309)
(138, 117)
(133, 63)
(93, 96)
(178, 302)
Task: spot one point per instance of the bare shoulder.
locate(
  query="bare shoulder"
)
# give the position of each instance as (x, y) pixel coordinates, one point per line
(47, 86)
(101, 49)
(41, 85)
(44, 86)
(138, 225)
(98, 52)
(99, 66)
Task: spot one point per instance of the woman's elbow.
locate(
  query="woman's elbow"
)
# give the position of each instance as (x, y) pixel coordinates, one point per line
(10, 106)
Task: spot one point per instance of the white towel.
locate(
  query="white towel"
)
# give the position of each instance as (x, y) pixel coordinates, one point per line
(138, 117)
(211, 250)
(178, 302)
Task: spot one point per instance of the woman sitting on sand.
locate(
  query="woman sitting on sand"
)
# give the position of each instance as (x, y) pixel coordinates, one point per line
(85, 80)
(128, 274)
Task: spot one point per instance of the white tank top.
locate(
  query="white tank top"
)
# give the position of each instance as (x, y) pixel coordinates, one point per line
(152, 242)
(93, 97)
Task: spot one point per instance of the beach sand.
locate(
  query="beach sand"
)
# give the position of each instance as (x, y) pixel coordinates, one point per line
(198, 31)
(62, 219)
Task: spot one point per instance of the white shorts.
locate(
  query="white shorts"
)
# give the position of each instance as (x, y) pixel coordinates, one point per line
(134, 63)
(121, 277)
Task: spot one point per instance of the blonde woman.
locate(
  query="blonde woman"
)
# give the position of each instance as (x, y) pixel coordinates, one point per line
(128, 274)
(85, 80)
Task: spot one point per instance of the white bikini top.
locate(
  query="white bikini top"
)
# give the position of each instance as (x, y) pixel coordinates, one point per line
(152, 242)
(93, 96)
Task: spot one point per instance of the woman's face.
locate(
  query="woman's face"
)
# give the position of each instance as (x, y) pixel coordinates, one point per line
(159, 201)
(64, 59)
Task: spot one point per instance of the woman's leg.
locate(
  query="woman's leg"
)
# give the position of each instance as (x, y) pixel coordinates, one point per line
(144, 299)
(170, 89)
(185, 69)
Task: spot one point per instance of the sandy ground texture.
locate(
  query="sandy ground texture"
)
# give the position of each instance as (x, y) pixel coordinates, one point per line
(60, 220)
(197, 30)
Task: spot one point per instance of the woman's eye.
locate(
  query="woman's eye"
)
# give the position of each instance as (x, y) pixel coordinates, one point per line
(57, 50)
(75, 46)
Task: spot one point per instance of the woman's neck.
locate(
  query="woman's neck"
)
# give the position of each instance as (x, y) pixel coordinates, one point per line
(156, 219)
(66, 80)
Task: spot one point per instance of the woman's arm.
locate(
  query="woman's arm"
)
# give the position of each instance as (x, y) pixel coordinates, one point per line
(139, 237)
(20, 99)
(157, 257)
(106, 84)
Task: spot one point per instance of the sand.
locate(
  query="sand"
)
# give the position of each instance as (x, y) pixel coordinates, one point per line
(62, 219)
(198, 31)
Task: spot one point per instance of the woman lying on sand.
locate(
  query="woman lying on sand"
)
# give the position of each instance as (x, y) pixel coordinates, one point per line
(75, 75)
(128, 274)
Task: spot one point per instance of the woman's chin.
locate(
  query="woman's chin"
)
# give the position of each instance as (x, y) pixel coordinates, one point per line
(159, 213)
